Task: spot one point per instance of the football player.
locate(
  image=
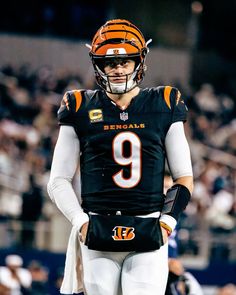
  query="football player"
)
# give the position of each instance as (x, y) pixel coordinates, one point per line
(120, 137)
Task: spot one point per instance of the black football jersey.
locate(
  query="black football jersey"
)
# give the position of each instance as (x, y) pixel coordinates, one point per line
(122, 151)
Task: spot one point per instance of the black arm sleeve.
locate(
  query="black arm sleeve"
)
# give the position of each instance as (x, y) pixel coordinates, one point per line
(177, 198)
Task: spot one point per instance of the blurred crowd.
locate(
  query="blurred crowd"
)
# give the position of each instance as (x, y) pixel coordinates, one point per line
(211, 130)
(29, 100)
(20, 278)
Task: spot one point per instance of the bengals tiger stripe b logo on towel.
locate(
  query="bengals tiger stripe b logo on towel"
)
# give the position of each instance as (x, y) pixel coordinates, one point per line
(123, 233)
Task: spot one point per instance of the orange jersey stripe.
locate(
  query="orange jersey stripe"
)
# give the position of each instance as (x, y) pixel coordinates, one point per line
(78, 99)
(167, 95)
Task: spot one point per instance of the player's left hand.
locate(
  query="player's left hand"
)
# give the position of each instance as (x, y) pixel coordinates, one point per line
(164, 235)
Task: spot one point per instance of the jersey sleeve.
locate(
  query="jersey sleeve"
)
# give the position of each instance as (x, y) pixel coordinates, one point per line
(179, 109)
(175, 103)
(70, 104)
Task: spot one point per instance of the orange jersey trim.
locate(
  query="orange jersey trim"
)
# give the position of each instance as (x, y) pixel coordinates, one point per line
(167, 91)
(78, 99)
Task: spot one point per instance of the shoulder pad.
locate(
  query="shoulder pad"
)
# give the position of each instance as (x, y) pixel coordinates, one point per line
(72, 100)
(171, 96)
(175, 103)
(70, 104)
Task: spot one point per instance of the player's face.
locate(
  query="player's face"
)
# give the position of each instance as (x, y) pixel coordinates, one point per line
(118, 68)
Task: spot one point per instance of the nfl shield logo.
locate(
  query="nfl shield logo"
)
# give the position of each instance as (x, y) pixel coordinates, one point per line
(124, 116)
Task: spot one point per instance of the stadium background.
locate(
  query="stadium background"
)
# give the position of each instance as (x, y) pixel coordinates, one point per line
(43, 54)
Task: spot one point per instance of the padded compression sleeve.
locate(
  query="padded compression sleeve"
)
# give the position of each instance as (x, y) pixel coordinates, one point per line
(177, 198)
(178, 153)
(64, 165)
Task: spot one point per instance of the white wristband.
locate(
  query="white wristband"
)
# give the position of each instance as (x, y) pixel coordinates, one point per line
(79, 220)
(169, 220)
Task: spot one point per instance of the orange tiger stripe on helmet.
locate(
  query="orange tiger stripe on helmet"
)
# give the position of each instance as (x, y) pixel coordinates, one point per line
(119, 25)
(122, 33)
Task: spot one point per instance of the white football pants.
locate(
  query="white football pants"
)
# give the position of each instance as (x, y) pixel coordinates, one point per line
(124, 273)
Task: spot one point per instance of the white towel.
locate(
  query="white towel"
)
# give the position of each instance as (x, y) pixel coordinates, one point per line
(72, 280)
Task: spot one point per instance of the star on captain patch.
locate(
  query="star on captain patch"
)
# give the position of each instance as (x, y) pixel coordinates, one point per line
(124, 116)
